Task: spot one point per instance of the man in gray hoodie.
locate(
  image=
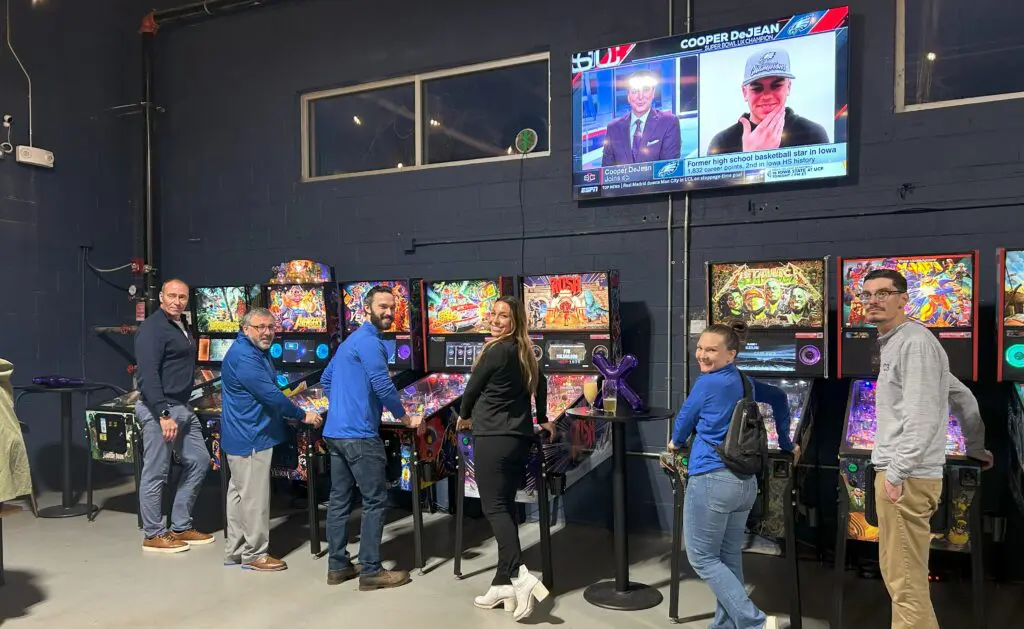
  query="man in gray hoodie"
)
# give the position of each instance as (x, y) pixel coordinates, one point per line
(914, 395)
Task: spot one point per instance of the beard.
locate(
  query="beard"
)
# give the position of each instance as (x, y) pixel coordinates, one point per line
(381, 323)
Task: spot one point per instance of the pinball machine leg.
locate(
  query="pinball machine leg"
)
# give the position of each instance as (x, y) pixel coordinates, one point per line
(839, 570)
(312, 500)
(223, 478)
(460, 500)
(791, 556)
(544, 520)
(91, 514)
(417, 509)
(137, 469)
(677, 550)
(977, 561)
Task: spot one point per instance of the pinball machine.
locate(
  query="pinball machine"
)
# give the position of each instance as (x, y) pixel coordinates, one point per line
(942, 293)
(571, 318)
(784, 304)
(456, 316)
(1010, 318)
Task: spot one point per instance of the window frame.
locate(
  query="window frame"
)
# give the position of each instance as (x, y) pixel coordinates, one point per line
(900, 74)
(416, 80)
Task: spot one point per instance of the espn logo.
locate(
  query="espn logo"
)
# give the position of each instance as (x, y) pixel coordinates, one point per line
(589, 189)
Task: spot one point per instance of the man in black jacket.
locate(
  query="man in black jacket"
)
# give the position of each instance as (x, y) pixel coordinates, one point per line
(767, 80)
(166, 356)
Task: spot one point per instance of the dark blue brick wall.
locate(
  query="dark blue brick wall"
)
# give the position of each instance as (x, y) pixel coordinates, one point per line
(233, 203)
(75, 55)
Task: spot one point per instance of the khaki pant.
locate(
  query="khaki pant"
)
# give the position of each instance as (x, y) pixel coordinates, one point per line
(904, 538)
(248, 507)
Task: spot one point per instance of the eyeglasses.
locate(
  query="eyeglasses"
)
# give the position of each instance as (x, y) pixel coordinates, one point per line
(263, 328)
(878, 295)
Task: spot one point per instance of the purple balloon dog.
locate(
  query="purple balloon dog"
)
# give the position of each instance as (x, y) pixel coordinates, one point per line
(618, 374)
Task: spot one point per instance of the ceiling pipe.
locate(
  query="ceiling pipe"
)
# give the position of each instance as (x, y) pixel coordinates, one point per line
(198, 11)
(149, 216)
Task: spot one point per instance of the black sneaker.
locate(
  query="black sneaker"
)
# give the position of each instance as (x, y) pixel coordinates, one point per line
(383, 579)
(337, 577)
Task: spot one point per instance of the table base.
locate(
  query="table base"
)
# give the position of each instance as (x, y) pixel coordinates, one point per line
(636, 597)
(74, 511)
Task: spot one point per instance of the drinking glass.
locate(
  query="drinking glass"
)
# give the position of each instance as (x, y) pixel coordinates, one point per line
(610, 395)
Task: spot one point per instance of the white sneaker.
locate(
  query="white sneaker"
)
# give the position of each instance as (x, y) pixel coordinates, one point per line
(528, 589)
(771, 622)
(498, 595)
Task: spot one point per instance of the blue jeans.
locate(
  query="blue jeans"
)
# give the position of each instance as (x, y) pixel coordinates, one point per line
(156, 464)
(356, 462)
(714, 525)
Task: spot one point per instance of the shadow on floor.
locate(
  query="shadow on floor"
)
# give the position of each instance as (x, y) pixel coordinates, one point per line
(19, 595)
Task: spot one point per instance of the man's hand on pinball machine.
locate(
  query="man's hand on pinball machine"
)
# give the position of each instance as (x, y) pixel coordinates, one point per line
(313, 419)
(551, 429)
(464, 423)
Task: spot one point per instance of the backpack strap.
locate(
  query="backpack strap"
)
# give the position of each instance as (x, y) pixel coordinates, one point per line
(748, 391)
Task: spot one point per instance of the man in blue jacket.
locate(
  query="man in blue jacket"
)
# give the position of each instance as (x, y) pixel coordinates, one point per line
(358, 386)
(253, 422)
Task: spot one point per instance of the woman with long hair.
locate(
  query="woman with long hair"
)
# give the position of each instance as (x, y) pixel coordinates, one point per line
(496, 404)
(717, 501)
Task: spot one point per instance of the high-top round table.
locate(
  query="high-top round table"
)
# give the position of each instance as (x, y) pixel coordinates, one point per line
(621, 593)
(66, 508)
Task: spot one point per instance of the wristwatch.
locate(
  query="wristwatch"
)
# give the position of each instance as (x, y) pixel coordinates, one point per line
(165, 414)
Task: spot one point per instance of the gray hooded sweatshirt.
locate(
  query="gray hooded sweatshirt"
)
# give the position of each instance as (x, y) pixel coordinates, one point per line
(914, 396)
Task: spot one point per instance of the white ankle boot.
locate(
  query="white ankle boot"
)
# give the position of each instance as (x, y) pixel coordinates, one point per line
(498, 595)
(528, 590)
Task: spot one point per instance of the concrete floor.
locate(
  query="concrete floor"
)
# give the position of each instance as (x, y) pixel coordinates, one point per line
(72, 573)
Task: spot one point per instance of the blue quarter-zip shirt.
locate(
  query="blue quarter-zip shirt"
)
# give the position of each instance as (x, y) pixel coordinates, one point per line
(254, 409)
(358, 386)
(708, 410)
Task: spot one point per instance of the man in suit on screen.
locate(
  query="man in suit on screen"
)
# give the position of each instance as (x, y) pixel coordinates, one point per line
(644, 134)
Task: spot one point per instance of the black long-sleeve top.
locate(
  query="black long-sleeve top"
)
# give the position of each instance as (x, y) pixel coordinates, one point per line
(166, 358)
(496, 397)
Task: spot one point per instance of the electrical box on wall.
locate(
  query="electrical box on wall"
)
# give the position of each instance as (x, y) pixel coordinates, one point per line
(34, 156)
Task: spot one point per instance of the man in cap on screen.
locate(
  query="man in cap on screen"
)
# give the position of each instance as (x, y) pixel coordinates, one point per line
(767, 79)
(644, 134)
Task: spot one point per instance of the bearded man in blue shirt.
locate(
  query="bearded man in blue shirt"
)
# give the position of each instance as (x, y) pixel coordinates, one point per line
(358, 387)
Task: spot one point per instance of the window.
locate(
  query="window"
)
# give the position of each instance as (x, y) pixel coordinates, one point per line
(458, 116)
(952, 53)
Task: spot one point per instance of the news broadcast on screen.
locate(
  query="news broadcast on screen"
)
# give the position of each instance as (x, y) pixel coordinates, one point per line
(760, 103)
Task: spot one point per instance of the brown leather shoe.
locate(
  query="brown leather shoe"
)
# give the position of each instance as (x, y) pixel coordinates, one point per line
(265, 564)
(193, 537)
(337, 577)
(165, 543)
(383, 579)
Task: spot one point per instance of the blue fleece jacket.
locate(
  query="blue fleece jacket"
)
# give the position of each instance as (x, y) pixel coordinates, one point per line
(708, 410)
(358, 386)
(254, 409)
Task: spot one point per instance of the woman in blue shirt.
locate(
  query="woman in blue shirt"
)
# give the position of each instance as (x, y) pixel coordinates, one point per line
(718, 502)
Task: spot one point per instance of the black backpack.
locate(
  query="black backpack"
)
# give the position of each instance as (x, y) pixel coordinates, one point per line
(745, 449)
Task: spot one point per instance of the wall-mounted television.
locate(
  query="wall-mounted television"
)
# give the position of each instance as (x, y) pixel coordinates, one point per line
(764, 102)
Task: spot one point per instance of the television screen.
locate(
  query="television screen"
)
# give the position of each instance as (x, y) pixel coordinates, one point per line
(219, 308)
(574, 303)
(778, 294)
(298, 308)
(462, 307)
(355, 314)
(761, 103)
(940, 288)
